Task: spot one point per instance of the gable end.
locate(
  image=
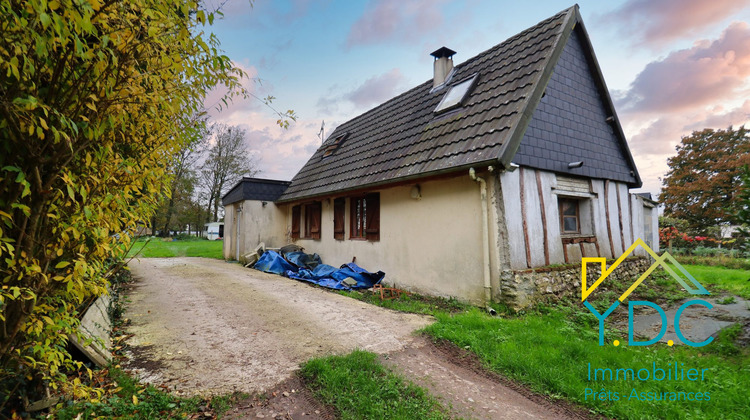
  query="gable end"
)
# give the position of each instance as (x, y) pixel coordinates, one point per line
(575, 121)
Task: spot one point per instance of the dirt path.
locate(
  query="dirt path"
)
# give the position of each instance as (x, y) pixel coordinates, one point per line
(204, 326)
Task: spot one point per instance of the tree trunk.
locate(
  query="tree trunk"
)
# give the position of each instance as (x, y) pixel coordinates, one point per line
(170, 210)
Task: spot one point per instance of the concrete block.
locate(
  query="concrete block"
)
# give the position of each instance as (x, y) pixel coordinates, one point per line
(95, 327)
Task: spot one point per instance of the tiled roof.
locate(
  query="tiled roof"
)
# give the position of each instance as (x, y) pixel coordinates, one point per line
(403, 139)
(255, 189)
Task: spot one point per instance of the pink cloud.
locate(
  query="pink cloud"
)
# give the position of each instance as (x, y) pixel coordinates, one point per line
(372, 92)
(657, 22)
(395, 20)
(237, 105)
(708, 73)
(377, 89)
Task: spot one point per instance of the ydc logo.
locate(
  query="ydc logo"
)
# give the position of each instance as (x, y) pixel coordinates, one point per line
(695, 289)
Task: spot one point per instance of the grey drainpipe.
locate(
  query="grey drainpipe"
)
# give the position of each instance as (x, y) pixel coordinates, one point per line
(485, 238)
(237, 229)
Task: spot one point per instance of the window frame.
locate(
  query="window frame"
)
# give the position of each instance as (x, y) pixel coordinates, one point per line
(364, 217)
(446, 103)
(356, 223)
(560, 202)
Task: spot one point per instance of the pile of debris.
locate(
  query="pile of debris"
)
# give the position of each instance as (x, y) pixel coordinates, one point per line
(291, 261)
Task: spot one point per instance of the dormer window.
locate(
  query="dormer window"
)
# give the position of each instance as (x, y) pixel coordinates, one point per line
(334, 145)
(455, 97)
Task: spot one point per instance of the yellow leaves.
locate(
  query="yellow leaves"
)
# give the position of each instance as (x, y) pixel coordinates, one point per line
(135, 400)
(62, 264)
(43, 123)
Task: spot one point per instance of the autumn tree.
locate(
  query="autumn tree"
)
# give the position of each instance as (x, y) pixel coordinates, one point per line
(95, 97)
(227, 162)
(183, 178)
(703, 183)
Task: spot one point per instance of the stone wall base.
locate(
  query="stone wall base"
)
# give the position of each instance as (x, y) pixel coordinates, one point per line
(521, 289)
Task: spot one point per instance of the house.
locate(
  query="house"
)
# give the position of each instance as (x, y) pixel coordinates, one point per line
(250, 217)
(478, 181)
(213, 231)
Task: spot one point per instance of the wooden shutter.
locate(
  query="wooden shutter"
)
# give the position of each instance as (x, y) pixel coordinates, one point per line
(372, 224)
(295, 222)
(339, 208)
(313, 216)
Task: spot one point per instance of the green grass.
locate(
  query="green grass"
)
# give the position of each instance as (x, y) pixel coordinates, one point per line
(735, 281)
(719, 260)
(359, 387)
(549, 351)
(149, 403)
(412, 303)
(156, 248)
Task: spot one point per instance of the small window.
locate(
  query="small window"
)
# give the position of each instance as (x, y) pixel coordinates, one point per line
(334, 145)
(295, 222)
(312, 220)
(570, 221)
(339, 209)
(364, 217)
(456, 95)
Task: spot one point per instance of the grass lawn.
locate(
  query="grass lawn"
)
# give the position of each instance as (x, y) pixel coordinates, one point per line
(156, 248)
(735, 281)
(550, 351)
(549, 348)
(359, 387)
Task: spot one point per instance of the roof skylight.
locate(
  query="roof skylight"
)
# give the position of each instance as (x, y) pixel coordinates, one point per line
(456, 95)
(334, 145)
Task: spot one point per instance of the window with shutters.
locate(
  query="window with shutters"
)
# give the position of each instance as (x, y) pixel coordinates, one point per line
(339, 209)
(312, 220)
(295, 222)
(364, 217)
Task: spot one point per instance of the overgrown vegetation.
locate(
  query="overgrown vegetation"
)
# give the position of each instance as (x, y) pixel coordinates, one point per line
(125, 398)
(97, 97)
(192, 247)
(359, 387)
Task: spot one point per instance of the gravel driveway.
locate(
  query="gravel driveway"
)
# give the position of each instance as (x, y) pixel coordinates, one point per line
(204, 326)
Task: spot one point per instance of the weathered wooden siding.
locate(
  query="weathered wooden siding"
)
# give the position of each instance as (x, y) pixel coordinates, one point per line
(601, 226)
(511, 187)
(610, 218)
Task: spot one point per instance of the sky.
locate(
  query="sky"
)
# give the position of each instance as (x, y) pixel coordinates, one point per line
(671, 66)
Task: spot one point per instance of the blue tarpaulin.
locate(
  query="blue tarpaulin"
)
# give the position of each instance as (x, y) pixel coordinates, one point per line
(300, 259)
(347, 277)
(273, 262)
